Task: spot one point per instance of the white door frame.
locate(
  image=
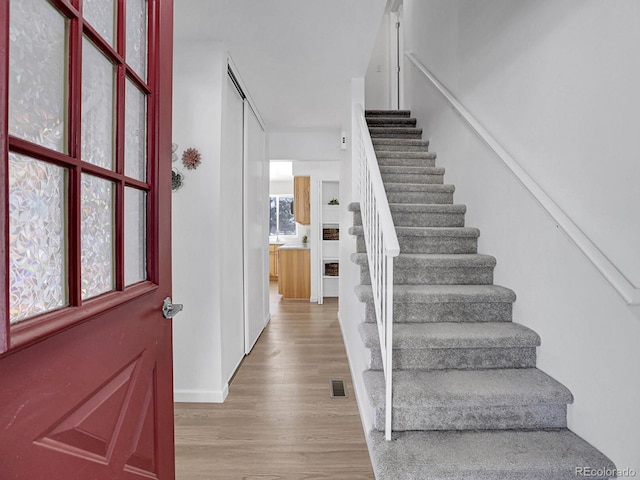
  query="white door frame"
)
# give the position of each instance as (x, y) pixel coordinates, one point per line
(396, 58)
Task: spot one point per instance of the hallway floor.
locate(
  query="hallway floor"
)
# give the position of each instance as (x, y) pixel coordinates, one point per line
(279, 421)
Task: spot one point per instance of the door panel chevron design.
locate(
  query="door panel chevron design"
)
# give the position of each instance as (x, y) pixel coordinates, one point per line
(90, 429)
(143, 457)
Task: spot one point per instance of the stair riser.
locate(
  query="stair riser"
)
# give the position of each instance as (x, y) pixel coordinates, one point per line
(407, 162)
(413, 219)
(527, 417)
(391, 122)
(387, 113)
(420, 197)
(457, 358)
(405, 219)
(413, 178)
(445, 312)
(423, 275)
(381, 153)
(390, 147)
(430, 244)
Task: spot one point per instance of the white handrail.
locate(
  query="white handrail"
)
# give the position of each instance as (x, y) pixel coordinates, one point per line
(382, 246)
(629, 292)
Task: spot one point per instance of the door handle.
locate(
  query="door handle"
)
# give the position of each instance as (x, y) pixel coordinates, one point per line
(170, 310)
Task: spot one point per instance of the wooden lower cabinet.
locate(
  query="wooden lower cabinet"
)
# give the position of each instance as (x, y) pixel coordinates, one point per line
(294, 273)
(273, 260)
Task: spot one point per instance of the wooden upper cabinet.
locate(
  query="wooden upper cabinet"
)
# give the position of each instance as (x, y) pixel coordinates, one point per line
(301, 200)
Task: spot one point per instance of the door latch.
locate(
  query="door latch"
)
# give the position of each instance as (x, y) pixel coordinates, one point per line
(170, 310)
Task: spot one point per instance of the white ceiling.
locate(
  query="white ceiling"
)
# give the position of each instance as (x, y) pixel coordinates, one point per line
(296, 57)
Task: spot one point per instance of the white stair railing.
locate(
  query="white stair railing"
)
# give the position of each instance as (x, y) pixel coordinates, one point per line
(382, 246)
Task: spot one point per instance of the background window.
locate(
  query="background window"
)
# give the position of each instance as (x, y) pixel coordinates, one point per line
(281, 220)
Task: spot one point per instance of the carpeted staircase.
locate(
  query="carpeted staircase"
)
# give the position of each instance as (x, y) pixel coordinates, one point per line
(469, 402)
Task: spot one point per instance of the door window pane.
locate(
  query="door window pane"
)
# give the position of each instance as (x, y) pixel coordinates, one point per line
(135, 238)
(101, 14)
(38, 73)
(137, 36)
(98, 89)
(97, 225)
(37, 246)
(135, 148)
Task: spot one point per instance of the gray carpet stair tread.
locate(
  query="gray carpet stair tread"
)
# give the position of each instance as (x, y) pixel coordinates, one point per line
(427, 208)
(427, 231)
(453, 335)
(380, 153)
(426, 260)
(412, 170)
(443, 293)
(417, 208)
(419, 187)
(449, 388)
(484, 455)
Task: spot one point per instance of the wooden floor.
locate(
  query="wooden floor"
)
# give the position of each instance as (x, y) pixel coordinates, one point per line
(279, 421)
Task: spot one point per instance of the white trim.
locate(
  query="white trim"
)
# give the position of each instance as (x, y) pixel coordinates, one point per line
(358, 388)
(629, 292)
(201, 396)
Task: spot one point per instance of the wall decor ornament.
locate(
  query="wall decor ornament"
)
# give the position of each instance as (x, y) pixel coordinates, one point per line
(174, 155)
(177, 179)
(191, 158)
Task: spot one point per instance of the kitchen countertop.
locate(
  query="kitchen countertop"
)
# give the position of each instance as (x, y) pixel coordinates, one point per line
(298, 246)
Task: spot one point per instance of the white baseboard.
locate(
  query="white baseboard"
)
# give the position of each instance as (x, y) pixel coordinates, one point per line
(359, 389)
(201, 396)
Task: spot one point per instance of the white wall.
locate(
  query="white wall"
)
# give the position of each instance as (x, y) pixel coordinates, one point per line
(203, 232)
(281, 187)
(304, 145)
(351, 311)
(377, 79)
(200, 74)
(562, 101)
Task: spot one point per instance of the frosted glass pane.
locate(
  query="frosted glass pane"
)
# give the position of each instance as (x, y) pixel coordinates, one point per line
(37, 73)
(135, 238)
(37, 248)
(98, 89)
(97, 236)
(137, 36)
(135, 149)
(101, 14)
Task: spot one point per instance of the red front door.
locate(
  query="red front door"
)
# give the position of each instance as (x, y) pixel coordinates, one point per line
(86, 386)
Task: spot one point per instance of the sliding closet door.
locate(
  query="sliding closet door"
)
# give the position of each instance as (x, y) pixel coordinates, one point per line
(231, 232)
(255, 225)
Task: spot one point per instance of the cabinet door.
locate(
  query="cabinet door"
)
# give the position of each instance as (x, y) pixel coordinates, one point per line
(301, 200)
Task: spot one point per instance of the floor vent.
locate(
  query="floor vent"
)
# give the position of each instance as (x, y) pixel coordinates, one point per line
(337, 388)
